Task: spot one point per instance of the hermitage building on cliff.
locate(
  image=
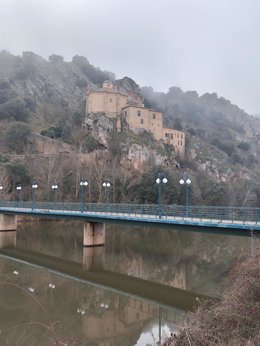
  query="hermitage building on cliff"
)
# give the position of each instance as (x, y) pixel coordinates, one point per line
(118, 105)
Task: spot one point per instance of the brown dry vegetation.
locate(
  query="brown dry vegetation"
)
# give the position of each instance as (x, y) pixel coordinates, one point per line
(234, 321)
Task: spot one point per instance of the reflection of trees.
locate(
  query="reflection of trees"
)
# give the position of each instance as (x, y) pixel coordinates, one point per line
(197, 261)
(173, 257)
(52, 238)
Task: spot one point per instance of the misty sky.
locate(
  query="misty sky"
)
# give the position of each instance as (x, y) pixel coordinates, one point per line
(202, 45)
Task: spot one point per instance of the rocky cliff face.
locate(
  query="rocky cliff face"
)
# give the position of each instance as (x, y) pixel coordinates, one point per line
(222, 140)
(133, 149)
(129, 86)
(48, 87)
(99, 127)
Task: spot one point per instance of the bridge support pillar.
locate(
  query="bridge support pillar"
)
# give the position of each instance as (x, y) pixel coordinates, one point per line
(93, 234)
(8, 226)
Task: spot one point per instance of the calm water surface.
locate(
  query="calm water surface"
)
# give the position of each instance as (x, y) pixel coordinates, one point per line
(79, 311)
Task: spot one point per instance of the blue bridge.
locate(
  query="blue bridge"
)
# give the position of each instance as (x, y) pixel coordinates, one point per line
(236, 218)
(227, 220)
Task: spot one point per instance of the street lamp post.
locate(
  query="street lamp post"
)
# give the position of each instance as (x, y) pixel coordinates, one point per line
(82, 184)
(186, 181)
(34, 188)
(55, 190)
(161, 179)
(19, 188)
(106, 185)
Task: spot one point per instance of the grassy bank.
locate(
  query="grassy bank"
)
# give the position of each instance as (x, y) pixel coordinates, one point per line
(235, 320)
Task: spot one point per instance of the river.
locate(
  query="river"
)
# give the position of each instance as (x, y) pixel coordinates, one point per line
(40, 306)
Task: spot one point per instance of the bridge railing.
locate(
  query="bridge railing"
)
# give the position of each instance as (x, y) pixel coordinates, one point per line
(198, 213)
(212, 213)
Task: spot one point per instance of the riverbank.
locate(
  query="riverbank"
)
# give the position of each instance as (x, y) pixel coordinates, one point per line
(235, 320)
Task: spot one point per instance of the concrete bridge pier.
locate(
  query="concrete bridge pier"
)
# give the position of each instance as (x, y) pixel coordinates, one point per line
(8, 226)
(93, 234)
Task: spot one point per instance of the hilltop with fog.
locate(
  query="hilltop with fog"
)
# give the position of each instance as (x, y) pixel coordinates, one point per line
(44, 137)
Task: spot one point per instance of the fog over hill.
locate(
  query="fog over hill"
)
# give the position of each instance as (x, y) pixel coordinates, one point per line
(49, 97)
(56, 85)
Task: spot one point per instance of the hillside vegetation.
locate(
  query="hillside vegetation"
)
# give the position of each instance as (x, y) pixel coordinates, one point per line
(49, 98)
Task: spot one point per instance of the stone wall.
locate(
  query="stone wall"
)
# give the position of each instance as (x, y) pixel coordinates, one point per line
(45, 145)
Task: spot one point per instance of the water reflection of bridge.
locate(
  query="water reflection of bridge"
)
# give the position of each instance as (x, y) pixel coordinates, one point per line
(128, 313)
(110, 318)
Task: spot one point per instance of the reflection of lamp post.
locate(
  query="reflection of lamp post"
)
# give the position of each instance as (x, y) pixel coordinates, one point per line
(106, 185)
(55, 190)
(1, 188)
(161, 179)
(34, 187)
(104, 305)
(82, 185)
(186, 181)
(19, 188)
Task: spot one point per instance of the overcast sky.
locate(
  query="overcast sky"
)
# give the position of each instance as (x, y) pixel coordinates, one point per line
(202, 45)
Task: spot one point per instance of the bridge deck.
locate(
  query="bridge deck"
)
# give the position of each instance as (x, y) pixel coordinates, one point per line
(245, 219)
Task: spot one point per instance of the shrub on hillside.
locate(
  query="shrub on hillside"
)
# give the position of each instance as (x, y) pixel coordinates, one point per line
(52, 132)
(16, 136)
(227, 147)
(14, 108)
(245, 146)
(18, 172)
(90, 144)
(192, 131)
(236, 158)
